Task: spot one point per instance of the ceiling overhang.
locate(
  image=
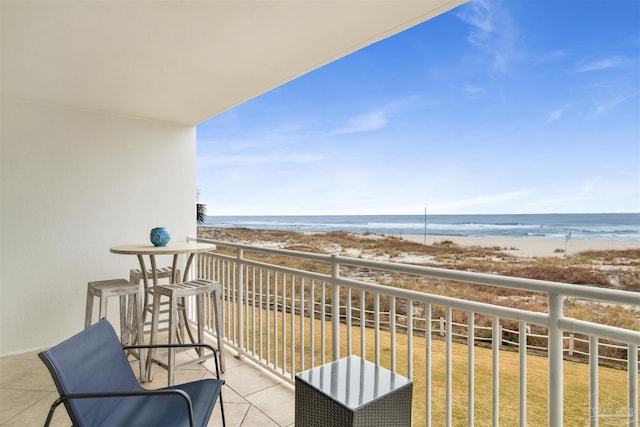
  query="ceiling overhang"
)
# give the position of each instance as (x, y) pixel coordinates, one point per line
(183, 61)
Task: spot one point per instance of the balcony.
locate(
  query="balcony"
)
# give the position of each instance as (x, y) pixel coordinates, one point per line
(279, 320)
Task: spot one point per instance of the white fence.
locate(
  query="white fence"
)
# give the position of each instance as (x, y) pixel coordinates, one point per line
(282, 318)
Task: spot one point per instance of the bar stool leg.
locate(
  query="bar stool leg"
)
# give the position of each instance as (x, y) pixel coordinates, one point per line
(181, 321)
(219, 329)
(154, 335)
(136, 323)
(140, 316)
(103, 306)
(133, 310)
(173, 329)
(89, 309)
(124, 325)
(200, 315)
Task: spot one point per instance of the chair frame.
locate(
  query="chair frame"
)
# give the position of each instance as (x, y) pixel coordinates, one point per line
(66, 397)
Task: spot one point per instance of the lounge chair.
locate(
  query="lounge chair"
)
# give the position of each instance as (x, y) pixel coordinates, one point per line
(98, 387)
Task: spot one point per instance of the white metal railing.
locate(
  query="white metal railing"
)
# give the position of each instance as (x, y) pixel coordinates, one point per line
(283, 319)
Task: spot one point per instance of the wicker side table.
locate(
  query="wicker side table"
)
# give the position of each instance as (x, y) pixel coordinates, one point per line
(352, 392)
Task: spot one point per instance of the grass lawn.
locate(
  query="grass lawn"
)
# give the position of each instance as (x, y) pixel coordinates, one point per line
(612, 382)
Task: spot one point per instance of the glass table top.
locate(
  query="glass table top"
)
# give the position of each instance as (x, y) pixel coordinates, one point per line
(352, 381)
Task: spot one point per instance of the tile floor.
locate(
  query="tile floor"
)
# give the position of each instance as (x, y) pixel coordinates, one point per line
(252, 396)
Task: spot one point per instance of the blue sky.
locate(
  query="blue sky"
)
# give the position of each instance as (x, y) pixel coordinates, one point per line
(512, 106)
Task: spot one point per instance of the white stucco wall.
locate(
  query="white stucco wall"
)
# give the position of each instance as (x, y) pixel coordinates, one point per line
(73, 184)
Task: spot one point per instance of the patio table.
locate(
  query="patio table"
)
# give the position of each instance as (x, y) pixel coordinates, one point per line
(175, 249)
(352, 392)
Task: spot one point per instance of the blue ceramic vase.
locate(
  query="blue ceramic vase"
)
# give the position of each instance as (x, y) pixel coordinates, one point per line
(159, 236)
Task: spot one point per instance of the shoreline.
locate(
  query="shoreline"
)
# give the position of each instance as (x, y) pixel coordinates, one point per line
(527, 247)
(522, 247)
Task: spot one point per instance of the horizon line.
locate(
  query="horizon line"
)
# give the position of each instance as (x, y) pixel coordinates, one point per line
(435, 214)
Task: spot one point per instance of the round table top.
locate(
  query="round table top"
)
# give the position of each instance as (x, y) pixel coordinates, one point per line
(170, 249)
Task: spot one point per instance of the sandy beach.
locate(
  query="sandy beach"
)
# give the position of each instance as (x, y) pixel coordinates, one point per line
(529, 247)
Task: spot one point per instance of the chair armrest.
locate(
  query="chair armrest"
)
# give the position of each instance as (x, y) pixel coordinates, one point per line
(177, 392)
(210, 347)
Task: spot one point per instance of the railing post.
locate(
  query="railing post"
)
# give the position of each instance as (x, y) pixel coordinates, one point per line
(335, 309)
(556, 398)
(593, 381)
(496, 341)
(471, 336)
(240, 296)
(448, 376)
(522, 392)
(632, 374)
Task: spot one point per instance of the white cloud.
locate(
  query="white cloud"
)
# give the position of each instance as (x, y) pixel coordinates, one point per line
(367, 122)
(602, 64)
(376, 119)
(593, 108)
(474, 92)
(492, 31)
(554, 115)
(557, 114)
(602, 107)
(588, 187)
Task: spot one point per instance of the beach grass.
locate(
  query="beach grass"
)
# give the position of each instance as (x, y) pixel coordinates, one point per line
(615, 269)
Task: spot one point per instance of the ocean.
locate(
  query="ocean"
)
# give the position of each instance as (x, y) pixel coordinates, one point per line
(618, 226)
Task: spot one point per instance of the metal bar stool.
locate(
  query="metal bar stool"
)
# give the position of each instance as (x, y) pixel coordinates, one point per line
(177, 294)
(136, 277)
(130, 318)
